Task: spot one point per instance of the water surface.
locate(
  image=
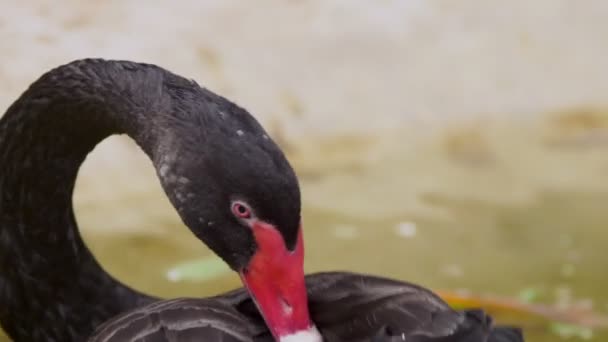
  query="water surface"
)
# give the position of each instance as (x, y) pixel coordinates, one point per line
(493, 209)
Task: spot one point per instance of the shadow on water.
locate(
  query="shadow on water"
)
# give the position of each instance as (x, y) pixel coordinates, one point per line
(501, 211)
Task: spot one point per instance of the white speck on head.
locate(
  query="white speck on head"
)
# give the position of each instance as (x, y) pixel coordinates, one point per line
(240, 132)
(162, 171)
(201, 220)
(406, 229)
(310, 335)
(210, 223)
(169, 178)
(265, 137)
(183, 180)
(222, 114)
(169, 158)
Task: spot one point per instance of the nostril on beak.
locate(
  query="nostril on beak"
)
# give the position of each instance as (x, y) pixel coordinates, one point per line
(287, 309)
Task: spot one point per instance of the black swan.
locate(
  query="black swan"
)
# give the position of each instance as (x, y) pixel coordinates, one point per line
(232, 187)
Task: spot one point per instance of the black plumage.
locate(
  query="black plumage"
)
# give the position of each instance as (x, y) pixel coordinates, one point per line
(344, 306)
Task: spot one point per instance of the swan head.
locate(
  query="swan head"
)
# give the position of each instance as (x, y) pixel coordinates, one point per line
(236, 191)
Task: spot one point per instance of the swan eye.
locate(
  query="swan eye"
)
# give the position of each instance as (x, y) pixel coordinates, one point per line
(241, 210)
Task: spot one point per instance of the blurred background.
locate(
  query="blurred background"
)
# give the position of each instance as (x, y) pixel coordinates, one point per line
(459, 145)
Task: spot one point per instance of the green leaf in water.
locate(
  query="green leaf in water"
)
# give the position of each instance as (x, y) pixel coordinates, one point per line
(570, 330)
(199, 270)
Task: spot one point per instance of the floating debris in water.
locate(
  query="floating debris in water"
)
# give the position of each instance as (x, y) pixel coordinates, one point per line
(584, 304)
(463, 291)
(406, 229)
(345, 232)
(200, 270)
(573, 256)
(452, 270)
(529, 294)
(563, 297)
(568, 331)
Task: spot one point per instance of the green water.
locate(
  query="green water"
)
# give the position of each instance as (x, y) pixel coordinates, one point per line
(494, 210)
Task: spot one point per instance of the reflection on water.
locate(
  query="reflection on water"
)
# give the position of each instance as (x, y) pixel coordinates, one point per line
(503, 210)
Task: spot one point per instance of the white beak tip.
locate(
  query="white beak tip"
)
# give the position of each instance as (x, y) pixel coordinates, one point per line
(309, 335)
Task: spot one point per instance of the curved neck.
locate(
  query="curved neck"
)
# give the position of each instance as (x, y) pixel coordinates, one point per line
(51, 287)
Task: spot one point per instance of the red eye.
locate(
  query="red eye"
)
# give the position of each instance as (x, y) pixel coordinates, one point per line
(241, 210)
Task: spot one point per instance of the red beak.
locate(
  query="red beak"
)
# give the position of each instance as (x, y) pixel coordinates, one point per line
(275, 280)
